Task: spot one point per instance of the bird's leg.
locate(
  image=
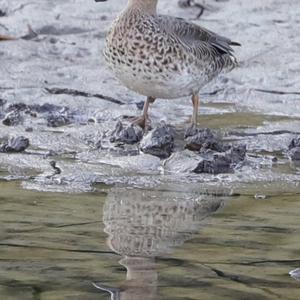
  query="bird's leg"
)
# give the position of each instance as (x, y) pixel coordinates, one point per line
(143, 119)
(195, 99)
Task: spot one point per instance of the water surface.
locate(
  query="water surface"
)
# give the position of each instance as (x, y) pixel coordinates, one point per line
(139, 244)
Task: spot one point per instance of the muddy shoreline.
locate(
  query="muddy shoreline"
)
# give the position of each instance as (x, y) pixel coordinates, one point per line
(59, 102)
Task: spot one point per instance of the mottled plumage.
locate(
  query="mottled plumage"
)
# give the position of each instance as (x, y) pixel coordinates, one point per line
(162, 56)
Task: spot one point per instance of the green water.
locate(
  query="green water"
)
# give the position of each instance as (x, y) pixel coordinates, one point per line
(55, 246)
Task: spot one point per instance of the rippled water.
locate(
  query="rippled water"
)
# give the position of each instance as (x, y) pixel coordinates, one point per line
(138, 244)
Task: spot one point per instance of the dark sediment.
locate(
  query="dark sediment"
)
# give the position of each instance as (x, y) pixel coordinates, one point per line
(56, 169)
(2, 102)
(2, 13)
(12, 118)
(216, 165)
(295, 154)
(223, 162)
(72, 92)
(19, 107)
(58, 119)
(202, 138)
(15, 145)
(295, 143)
(294, 149)
(126, 135)
(159, 141)
(46, 108)
(55, 116)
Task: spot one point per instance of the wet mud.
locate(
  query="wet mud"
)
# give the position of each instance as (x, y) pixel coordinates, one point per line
(57, 93)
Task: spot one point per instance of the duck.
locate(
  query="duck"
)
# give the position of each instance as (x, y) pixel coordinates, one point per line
(164, 57)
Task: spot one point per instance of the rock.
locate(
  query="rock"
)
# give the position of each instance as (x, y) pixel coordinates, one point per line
(295, 274)
(182, 162)
(294, 154)
(202, 138)
(260, 196)
(274, 159)
(12, 118)
(15, 145)
(126, 135)
(159, 141)
(58, 120)
(17, 107)
(140, 105)
(14, 114)
(215, 164)
(56, 116)
(217, 157)
(236, 154)
(208, 161)
(2, 102)
(295, 143)
(2, 13)
(47, 108)
(221, 162)
(294, 149)
(29, 129)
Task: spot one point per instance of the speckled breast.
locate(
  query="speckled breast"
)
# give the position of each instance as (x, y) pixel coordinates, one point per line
(145, 65)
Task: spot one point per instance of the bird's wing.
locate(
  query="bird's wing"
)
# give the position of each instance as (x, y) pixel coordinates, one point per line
(195, 36)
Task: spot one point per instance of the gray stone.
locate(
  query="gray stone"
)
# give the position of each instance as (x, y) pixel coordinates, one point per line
(294, 143)
(159, 141)
(2, 102)
(221, 162)
(58, 120)
(126, 135)
(214, 164)
(236, 153)
(15, 145)
(12, 118)
(294, 149)
(294, 154)
(182, 162)
(207, 161)
(202, 138)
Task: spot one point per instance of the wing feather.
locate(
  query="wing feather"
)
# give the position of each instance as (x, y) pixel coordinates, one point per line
(192, 35)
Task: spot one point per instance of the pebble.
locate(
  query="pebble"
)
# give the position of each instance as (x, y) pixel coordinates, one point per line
(126, 135)
(15, 145)
(159, 141)
(202, 138)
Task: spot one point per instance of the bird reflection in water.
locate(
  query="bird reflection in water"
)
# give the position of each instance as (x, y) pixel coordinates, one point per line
(142, 225)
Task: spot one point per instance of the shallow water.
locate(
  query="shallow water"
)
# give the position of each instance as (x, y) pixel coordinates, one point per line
(138, 244)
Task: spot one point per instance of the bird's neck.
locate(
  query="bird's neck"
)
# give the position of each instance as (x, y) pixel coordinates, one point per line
(147, 6)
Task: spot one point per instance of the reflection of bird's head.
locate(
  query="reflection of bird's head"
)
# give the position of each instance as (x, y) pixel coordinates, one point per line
(143, 223)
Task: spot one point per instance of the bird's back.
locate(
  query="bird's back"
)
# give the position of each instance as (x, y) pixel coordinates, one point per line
(200, 41)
